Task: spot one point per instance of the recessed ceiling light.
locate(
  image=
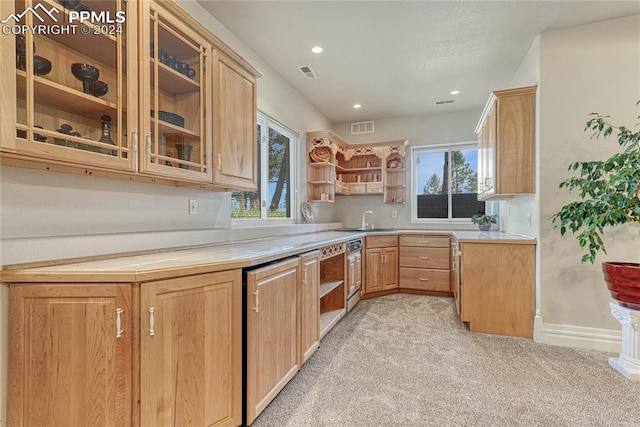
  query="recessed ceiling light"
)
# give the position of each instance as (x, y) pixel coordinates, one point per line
(316, 49)
(357, 105)
(455, 92)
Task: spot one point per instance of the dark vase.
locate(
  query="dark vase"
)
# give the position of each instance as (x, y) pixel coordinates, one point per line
(623, 282)
(106, 136)
(184, 153)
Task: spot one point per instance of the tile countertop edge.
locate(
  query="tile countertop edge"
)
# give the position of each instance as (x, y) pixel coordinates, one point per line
(150, 269)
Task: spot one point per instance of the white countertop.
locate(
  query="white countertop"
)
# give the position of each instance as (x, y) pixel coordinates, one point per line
(210, 258)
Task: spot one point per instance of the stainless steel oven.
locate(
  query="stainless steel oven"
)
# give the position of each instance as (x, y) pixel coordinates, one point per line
(354, 276)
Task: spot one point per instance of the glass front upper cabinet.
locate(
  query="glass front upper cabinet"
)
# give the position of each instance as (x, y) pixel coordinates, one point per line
(175, 108)
(72, 83)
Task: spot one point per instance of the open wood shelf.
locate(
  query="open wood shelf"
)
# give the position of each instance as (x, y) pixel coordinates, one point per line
(327, 287)
(321, 165)
(173, 82)
(165, 127)
(52, 94)
(356, 170)
(396, 170)
(322, 182)
(329, 319)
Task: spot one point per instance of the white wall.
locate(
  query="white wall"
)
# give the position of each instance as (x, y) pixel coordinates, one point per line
(590, 68)
(444, 128)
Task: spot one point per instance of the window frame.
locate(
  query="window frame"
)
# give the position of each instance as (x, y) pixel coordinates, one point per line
(414, 178)
(265, 123)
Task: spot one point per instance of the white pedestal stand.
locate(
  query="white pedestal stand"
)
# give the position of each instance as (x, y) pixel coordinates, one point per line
(628, 364)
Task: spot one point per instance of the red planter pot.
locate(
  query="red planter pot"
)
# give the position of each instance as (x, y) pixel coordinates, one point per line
(623, 282)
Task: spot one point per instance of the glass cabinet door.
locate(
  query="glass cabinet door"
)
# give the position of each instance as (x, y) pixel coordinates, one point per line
(73, 82)
(174, 102)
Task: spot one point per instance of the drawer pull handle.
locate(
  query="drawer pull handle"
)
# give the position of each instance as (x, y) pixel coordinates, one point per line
(424, 242)
(423, 257)
(256, 294)
(423, 279)
(152, 321)
(119, 312)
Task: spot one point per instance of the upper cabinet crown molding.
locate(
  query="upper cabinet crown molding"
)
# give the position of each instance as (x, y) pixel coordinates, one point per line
(506, 144)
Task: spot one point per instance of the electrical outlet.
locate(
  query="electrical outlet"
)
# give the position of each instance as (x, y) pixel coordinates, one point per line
(529, 219)
(394, 214)
(193, 207)
(509, 210)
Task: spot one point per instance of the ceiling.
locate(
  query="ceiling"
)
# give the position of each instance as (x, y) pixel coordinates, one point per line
(399, 58)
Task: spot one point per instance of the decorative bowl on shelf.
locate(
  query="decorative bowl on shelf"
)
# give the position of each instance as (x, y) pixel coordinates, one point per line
(320, 154)
(173, 118)
(41, 66)
(85, 73)
(394, 164)
(98, 88)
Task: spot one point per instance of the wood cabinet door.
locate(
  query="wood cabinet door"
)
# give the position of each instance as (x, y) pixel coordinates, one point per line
(373, 276)
(309, 305)
(390, 268)
(235, 125)
(191, 351)
(70, 355)
(272, 333)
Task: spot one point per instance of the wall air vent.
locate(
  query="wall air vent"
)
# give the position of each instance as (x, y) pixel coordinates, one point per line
(449, 101)
(362, 127)
(308, 72)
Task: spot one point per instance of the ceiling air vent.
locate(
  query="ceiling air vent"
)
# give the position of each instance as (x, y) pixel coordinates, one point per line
(450, 101)
(308, 72)
(361, 127)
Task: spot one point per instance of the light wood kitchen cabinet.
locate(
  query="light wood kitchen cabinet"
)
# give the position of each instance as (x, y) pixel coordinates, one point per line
(425, 263)
(309, 304)
(497, 287)
(333, 287)
(506, 144)
(160, 353)
(381, 264)
(149, 102)
(174, 131)
(335, 167)
(191, 346)
(273, 343)
(51, 112)
(71, 355)
(234, 124)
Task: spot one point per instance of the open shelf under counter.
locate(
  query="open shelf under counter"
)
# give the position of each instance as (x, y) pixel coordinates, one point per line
(173, 82)
(52, 94)
(327, 287)
(329, 319)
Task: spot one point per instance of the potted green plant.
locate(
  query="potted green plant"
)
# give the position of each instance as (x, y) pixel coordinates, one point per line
(609, 195)
(484, 221)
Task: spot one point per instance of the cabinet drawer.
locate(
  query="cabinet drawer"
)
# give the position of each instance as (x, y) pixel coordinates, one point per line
(427, 280)
(381, 241)
(428, 241)
(424, 257)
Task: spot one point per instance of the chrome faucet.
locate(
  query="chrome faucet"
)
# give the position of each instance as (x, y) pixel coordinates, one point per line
(364, 224)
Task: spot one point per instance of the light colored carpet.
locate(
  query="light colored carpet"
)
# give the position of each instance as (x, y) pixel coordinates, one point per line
(405, 360)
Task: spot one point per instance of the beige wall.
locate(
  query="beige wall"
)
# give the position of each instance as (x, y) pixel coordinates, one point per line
(590, 68)
(444, 128)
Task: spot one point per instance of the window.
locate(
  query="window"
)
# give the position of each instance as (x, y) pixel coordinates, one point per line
(276, 153)
(445, 183)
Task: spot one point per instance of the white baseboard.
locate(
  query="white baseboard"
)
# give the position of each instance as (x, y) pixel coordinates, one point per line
(581, 337)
